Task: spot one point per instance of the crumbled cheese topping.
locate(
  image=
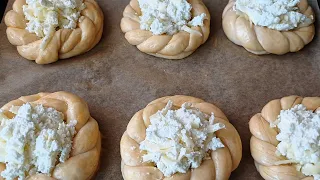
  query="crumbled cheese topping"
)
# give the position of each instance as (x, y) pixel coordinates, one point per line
(281, 15)
(300, 139)
(34, 141)
(45, 16)
(179, 139)
(167, 16)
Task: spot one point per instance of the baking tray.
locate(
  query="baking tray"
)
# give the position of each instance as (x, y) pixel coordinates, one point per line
(117, 80)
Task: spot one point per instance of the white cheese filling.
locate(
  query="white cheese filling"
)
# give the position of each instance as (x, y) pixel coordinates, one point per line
(177, 140)
(168, 16)
(34, 141)
(299, 139)
(44, 17)
(281, 15)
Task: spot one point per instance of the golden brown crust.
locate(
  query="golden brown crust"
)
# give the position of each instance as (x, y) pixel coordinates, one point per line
(84, 157)
(178, 46)
(64, 44)
(219, 166)
(262, 40)
(263, 141)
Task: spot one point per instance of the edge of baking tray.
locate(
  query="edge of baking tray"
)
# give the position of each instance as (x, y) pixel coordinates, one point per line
(3, 5)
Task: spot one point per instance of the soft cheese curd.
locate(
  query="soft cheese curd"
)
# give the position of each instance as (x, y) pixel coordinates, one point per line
(44, 17)
(300, 139)
(177, 140)
(281, 15)
(34, 141)
(167, 16)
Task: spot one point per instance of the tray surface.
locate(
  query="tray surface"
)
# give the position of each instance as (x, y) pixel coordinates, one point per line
(117, 80)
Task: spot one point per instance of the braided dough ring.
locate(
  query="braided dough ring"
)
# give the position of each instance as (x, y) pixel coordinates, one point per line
(84, 157)
(261, 40)
(65, 43)
(178, 46)
(263, 142)
(222, 162)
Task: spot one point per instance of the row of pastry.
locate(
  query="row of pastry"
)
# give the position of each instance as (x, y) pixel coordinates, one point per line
(50, 136)
(48, 30)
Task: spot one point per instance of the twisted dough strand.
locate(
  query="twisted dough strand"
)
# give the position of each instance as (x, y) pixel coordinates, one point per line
(223, 161)
(262, 40)
(86, 145)
(65, 43)
(178, 46)
(263, 141)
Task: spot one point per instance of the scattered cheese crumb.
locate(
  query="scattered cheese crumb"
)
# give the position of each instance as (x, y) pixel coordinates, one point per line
(167, 16)
(300, 139)
(282, 15)
(35, 140)
(179, 139)
(45, 16)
